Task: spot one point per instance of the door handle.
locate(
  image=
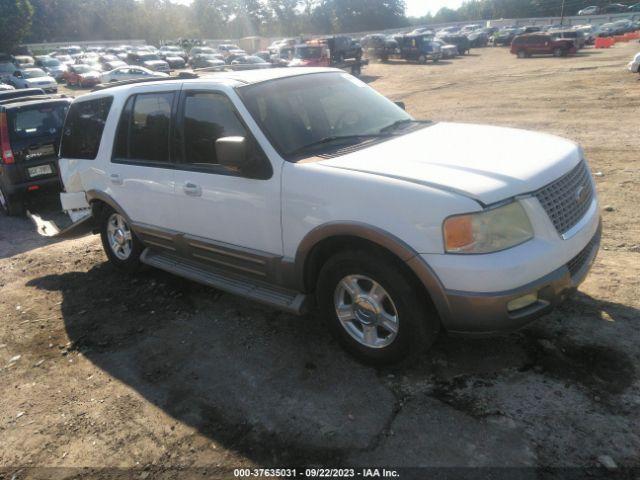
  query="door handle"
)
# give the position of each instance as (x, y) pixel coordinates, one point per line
(115, 178)
(192, 189)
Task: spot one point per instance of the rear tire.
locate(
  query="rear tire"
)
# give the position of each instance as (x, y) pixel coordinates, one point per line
(422, 59)
(120, 242)
(557, 52)
(12, 206)
(371, 290)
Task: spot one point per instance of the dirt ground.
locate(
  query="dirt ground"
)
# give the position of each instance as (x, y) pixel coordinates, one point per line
(160, 374)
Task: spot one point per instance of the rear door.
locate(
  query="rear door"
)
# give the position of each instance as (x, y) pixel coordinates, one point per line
(141, 174)
(34, 135)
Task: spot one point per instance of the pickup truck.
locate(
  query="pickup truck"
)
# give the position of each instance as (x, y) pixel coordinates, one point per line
(307, 190)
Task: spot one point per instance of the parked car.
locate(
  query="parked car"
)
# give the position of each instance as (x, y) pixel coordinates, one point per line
(343, 47)
(33, 78)
(227, 49)
(614, 8)
(634, 65)
(173, 51)
(460, 41)
(52, 66)
(505, 36)
(541, 44)
(478, 38)
(249, 62)
(174, 56)
(130, 73)
(148, 60)
(23, 61)
(592, 10)
(207, 60)
(378, 46)
(575, 36)
(448, 50)
(30, 130)
(419, 48)
(635, 7)
(65, 59)
(82, 76)
(110, 61)
(23, 92)
(272, 198)
(73, 51)
(6, 70)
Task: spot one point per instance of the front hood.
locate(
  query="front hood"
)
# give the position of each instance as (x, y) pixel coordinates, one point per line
(486, 163)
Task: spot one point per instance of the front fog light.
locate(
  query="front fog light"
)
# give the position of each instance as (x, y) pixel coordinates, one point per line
(522, 302)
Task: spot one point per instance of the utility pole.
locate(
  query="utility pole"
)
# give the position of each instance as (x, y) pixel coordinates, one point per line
(562, 13)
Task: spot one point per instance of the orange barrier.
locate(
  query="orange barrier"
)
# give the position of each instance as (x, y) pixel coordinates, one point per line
(632, 35)
(604, 42)
(620, 38)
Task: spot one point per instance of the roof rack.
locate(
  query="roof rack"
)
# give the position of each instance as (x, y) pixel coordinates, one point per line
(6, 101)
(181, 76)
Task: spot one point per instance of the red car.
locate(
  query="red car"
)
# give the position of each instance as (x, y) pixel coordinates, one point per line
(540, 44)
(81, 76)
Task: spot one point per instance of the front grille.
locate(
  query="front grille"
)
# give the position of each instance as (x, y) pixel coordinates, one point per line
(567, 199)
(576, 263)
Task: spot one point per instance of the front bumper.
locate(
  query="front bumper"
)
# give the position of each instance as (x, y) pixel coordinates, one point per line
(486, 313)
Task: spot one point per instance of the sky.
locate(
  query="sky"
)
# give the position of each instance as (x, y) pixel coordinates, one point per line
(418, 8)
(415, 8)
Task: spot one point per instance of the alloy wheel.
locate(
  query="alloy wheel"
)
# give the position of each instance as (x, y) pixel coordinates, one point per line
(119, 236)
(366, 311)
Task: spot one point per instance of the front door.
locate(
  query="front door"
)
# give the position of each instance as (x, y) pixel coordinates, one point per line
(227, 214)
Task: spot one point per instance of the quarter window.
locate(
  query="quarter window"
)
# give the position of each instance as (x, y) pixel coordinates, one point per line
(143, 130)
(83, 128)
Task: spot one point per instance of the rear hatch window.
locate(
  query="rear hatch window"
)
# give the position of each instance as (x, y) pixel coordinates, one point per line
(31, 122)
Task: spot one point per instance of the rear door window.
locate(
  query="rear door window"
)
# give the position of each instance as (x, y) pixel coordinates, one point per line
(83, 128)
(144, 128)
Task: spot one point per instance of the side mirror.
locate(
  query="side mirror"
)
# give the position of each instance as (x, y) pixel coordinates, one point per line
(231, 152)
(401, 105)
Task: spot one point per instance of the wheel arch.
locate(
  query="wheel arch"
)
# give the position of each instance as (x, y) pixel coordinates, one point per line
(98, 200)
(326, 240)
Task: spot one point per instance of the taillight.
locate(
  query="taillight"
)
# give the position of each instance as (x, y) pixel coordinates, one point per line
(5, 145)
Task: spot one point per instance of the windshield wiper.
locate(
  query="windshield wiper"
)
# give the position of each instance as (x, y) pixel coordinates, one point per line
(397, 124)
(336, 138)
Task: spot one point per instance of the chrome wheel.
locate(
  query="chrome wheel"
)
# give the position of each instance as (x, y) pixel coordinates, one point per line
(366, 311)
(119, 236)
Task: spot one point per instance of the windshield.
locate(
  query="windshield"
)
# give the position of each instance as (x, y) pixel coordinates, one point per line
(306, 53)
(33, 73)
(38, 121)
(303, 110)
(149, 57)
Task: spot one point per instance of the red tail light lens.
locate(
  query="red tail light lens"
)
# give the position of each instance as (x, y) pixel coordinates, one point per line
(5, 145)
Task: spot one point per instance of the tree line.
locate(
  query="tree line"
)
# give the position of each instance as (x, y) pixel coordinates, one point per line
(36, 21)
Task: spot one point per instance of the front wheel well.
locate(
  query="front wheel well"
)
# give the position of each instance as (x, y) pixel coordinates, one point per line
(327, 248)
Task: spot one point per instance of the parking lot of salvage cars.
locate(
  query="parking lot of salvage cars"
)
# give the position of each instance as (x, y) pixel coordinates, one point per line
(101, 369)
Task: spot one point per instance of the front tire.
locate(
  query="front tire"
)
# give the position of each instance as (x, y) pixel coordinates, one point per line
(120, 242)
(374, 309)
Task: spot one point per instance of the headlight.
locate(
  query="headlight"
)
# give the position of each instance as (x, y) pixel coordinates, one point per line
(487, 231)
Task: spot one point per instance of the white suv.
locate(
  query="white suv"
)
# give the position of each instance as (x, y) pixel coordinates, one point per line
(303, 187)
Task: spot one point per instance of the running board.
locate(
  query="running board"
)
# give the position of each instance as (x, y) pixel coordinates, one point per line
(287, 300)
